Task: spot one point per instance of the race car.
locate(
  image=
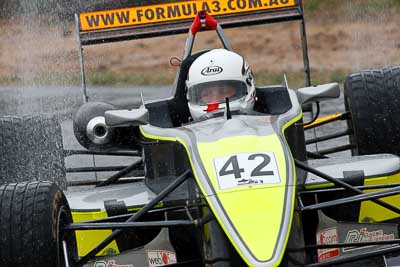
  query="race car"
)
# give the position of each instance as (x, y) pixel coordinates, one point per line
(234, 188)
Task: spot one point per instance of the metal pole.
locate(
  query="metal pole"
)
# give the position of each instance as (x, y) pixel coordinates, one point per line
(83, 80)
(133, 153)
(329, 137)
(129, 225)
(224, 40)
(340, 183)
(121, 173)
(177, 182)
(363, 187)
(354, 244)
(306, 62)
(336, 149)
(357, 198)
(355, 257)
(188, 45)
(159, 210)
(64, 246)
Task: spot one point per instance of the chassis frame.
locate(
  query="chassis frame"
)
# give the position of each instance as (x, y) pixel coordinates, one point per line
(132, 220)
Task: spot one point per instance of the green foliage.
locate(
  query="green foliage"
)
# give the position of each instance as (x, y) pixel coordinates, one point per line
(112, 78)
(315, 7)
(296, 78)
(312, 5)
(109, 78)
(338, 76)
(8, 80)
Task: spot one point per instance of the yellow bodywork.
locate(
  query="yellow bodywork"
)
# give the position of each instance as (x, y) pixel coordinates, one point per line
(255, 211)
(88, 240)
(326, 119)
(377, 213)
(369, 211)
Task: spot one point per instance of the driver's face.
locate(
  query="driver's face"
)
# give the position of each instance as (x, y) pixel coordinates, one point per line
(217, 93)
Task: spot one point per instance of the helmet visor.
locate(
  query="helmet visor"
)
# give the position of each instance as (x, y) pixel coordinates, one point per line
(216, 92)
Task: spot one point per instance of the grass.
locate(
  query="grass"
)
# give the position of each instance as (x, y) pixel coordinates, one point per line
(112, 78)
(339, 8)
(9, 80)
(92, 78)
(42, 79)
(295, 79)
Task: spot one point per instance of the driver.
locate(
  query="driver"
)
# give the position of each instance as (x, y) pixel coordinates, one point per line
(215, 76)
(216, 93)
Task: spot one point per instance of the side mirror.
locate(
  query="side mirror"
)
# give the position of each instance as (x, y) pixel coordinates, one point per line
(127, 117)
(318, 93)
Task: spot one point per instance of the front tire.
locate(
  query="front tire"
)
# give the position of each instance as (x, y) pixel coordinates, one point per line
(373, 99)
(32, 215)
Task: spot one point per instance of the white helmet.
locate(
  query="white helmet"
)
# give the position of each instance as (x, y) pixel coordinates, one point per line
(215, 75)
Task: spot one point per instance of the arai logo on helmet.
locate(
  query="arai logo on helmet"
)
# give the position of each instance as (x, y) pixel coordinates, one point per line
(211, 70)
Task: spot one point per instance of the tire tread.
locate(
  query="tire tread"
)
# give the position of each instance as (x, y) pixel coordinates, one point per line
(32, 149)
(26, 237)
(373, 98)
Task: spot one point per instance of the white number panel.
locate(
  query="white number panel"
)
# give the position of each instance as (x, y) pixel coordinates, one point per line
(244, 169)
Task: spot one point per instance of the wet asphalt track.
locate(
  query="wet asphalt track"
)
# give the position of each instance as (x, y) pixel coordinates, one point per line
(64, 101)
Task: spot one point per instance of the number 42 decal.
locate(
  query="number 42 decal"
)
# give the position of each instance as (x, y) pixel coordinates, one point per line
(244, 169)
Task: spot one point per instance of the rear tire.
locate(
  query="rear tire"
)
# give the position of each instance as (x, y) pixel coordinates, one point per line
(31, 218)
(373, 99)
(31, 149)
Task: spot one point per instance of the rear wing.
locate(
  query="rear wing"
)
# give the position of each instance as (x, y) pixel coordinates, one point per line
(168, 17)
(176, 17)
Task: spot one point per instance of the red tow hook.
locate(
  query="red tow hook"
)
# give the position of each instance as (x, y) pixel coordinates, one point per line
(211, 107)
(203, 20)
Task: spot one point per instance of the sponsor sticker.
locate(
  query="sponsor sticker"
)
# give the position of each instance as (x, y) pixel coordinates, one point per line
(174, 11)
(324, 237)
(110, 263)
(363, 235)
(211, 70)
(246, 169)
(160, 257)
